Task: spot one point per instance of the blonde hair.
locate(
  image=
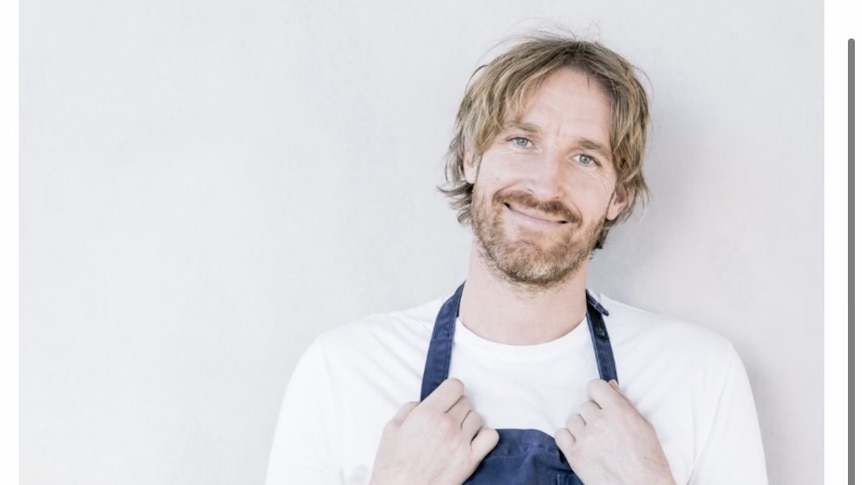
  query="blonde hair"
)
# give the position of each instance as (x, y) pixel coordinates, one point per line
(502, 87)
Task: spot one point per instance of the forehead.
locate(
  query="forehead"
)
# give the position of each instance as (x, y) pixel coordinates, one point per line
(565, 99)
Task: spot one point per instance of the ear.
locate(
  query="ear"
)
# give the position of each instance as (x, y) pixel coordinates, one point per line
(471, 167)
(618, 203)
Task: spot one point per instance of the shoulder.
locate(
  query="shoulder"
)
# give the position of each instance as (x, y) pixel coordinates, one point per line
(629, 325)
(652, 348)
(380, 348)
(383, 329)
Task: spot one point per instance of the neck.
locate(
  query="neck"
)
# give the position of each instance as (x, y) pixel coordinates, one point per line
(504, 312)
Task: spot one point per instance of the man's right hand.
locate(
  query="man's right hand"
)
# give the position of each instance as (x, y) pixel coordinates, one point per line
(438, 441)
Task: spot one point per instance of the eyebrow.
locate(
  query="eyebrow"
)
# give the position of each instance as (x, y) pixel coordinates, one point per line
(581, 141)
(598, 147)
(517, 125)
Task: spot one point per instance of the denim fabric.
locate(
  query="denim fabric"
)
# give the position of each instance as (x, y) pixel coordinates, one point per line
(522, 456)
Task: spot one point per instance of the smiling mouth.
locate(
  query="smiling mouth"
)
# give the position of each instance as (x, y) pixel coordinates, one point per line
(534, 215)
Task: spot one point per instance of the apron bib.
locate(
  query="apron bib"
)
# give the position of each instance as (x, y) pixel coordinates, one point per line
(522, 456)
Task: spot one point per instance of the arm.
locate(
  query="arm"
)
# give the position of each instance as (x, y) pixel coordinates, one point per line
(303, 449)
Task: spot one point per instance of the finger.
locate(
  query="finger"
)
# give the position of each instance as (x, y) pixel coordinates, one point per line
(589, 411)
(564, 439)
(460, 409)
(404, 411)
(603, 394)
(485, 441)
(616, 386)
(576, 424)
(471, 425)
(445, 395)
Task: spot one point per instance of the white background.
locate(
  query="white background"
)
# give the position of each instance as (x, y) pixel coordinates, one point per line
(205, 186)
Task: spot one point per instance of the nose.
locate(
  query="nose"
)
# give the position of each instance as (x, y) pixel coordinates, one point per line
(548, 176)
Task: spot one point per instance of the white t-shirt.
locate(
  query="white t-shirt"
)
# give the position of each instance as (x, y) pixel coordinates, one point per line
(685, 380)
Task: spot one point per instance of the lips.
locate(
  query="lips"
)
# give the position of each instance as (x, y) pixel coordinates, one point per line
(527, 207)
(536, 215)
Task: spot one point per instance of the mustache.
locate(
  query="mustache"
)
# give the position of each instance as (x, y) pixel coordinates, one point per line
(553, 208)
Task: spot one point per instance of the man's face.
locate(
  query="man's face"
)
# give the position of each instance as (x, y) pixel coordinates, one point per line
(546, 184)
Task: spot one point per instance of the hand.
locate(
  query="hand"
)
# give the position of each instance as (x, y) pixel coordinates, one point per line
(438, 441)
(608, 441)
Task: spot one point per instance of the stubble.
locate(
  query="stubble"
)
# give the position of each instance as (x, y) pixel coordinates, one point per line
(529, 259)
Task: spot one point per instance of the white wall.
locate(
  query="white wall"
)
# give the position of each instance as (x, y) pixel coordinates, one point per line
(205, 186)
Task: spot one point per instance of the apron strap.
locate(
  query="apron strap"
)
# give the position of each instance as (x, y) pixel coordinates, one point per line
(440, 348)
(601, 340)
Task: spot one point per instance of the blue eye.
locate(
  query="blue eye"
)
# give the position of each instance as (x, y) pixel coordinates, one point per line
(520, 141)
(585, 159)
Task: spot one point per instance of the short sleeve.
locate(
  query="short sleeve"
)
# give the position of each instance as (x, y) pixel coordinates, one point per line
(733, 452)
(303, 449)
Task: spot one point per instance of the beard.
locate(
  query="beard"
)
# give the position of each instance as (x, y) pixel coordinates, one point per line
(531, 259)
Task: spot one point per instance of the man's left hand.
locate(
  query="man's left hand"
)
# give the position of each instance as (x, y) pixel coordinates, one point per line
(608, 441)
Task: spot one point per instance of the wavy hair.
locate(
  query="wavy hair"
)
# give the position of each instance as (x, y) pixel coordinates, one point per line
(501, 89)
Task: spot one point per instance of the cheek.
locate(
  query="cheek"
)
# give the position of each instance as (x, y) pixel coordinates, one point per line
(593, 187)
(592, 195)
(492, 178)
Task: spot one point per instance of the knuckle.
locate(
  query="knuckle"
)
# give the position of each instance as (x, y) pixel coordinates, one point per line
(391, 429)
(447, 428)
(601, 422)
(587, 440)
(463, 460)
(423, 413)
(576, 454)
(404, 410)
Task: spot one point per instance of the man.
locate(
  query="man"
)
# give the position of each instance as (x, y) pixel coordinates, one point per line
(524, 376)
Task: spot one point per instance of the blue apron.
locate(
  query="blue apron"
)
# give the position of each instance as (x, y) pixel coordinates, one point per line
(522, 456)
